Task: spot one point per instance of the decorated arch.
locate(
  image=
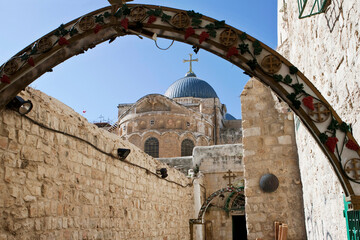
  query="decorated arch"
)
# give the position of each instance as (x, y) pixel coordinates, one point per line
(233, 190)
(255, 58)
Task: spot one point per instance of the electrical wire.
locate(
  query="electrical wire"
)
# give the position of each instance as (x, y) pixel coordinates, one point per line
(103, 152)
(164, 48)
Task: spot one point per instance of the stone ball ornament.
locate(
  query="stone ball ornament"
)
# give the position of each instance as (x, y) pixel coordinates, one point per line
(269, 182)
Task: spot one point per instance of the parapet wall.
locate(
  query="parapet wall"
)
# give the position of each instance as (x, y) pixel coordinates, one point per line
(64, 184)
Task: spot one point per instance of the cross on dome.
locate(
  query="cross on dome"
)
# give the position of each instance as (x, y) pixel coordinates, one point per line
(190, 61)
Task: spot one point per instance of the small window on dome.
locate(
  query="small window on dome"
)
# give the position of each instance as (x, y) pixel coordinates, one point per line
(188, 124)
(152, 122)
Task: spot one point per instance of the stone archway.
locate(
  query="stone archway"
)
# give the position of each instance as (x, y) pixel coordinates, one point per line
(255, 58)
(200, 219)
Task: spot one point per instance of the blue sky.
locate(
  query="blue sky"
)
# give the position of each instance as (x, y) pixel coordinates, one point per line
(129, 68)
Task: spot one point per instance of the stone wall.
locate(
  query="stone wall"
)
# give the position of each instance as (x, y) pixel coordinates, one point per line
(269, 147)
(231, 132)
(325, 48)
(183, 164)
(65, 184)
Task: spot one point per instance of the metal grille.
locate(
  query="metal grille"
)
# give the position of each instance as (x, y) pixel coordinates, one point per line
(152, 147)
(354, 225)
(238, 203)
(352, 222)
(308, 8)
(187, 147)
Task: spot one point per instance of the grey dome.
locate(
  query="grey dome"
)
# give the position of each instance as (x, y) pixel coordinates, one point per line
(228, 116)
(190, 86)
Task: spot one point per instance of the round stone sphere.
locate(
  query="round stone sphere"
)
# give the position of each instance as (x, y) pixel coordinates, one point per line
(269, 183)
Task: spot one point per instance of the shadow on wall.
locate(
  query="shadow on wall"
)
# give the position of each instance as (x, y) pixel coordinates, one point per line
(333, 12)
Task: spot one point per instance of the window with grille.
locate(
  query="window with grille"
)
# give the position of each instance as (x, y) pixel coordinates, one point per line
(187, 147)
(152, 147)
(308, 8)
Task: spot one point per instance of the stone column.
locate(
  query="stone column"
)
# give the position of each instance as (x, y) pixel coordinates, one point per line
(269, 147)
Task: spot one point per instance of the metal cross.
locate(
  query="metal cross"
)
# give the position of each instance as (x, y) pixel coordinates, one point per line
(355, 169)
(191, 60)
(319, 111)
(229, 176)
(271, 63)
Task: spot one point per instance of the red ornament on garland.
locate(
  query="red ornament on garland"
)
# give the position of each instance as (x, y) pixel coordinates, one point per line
(309, 102)
(189, 32)
(203, 36)
(5, 79)
(151, 19)
(331, 143)
(352, 145)
(232, 51)
(125, 23)
(31, 61)
(63, 41)
(97, 28)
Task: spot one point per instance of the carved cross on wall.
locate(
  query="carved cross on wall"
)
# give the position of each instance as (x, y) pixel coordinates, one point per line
(229, 176)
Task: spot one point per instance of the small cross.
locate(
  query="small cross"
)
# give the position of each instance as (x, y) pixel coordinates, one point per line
(191, 60)
(354, 170)
(229, 176)
(319, 111)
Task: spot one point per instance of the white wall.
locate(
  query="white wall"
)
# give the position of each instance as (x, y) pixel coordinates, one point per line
(325, 48)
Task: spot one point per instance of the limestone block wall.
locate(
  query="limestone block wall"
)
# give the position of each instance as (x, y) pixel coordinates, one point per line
(325, 48)
(57, 186)
(269, 147)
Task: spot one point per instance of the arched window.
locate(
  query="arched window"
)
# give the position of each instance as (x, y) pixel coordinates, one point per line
(187, 147)
(152, 147)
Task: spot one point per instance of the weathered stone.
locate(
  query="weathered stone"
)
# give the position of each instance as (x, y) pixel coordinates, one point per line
(4, 142)
(29, 198)
(285, 140)
(20, 212)
(254, 131)
(28, 153)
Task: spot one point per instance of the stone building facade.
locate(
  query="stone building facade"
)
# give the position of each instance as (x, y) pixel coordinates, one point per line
(326, 48)
(189, 114)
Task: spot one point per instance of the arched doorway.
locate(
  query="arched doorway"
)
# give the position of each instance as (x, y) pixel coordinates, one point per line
(232, 201)
(255, 58)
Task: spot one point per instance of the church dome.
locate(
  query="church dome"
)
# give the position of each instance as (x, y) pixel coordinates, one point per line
(228, 116)
(190, 86)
